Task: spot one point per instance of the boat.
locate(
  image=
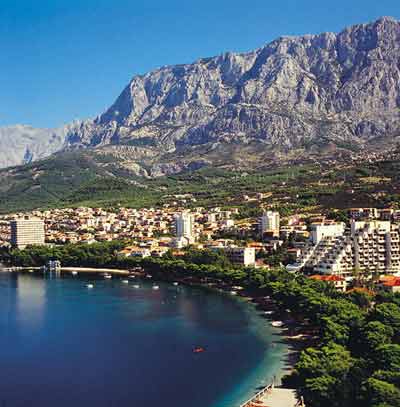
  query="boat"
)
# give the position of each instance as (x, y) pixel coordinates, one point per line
(234, 292)
(136, 286)
(132, 276)
(277, 324)
(125, 281)
(149, 276)
(74, 273)
(199, 349)
(156, 287)
(175, 283)
(89, 285)
(108, 276)
(268, 312)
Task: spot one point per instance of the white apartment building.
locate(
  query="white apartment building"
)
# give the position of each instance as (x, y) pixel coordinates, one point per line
(320, 231)
(371, 247)
(245, 256)
(27, 231)
(184, 229)
(270, 223)
(184, 225)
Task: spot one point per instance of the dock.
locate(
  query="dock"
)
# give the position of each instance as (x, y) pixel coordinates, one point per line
(95, 270)
(272, 396)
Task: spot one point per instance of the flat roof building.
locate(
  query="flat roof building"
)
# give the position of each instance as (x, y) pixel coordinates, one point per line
(27, 232)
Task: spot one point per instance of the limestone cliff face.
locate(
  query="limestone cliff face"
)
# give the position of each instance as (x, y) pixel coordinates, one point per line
(340, 87)
(290, 95)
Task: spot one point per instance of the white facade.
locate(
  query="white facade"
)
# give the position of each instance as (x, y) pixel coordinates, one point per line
(184, 225)
(26, 232)
(371, 247)
(245, 256)
(320, 231)
(270, 222)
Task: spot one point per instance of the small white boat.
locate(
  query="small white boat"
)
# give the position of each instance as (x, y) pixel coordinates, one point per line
(234, 292)
(156, 287)
(108, 276)
(89, 285)
(149, 276)
(268, 312)
(132, 276)
(125, 281)
(175, 284)
(277, 324)
(136, 286)
(74, 273)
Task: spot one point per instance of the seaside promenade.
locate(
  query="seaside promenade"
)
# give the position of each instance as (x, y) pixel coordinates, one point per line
(274, 397)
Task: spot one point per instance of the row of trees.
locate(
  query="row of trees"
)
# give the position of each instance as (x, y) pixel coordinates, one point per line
(357, 360)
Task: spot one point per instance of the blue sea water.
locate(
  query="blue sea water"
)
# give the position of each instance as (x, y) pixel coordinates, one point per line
(62, 344)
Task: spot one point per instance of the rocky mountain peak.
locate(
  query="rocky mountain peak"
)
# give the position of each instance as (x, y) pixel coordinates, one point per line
(293, 95)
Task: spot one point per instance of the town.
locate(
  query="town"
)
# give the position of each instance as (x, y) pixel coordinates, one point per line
(364, 248)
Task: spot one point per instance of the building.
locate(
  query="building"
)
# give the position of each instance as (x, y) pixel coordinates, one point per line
(245, 256)
(270, 223)
(390, 284)
(339, 282)
(368, 247)
(184, 229)
(321, 230)
(27, 232)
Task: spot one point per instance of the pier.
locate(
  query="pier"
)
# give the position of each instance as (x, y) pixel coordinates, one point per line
(272, 396)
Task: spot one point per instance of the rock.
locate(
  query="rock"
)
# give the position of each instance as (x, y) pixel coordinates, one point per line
(290, 95)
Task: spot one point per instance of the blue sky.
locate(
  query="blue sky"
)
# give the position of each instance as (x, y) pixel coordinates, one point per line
(67, 59)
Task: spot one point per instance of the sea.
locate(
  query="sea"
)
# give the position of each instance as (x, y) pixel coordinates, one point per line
(128, 344)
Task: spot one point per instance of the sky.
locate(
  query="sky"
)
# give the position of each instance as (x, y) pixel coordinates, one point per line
(62, 60)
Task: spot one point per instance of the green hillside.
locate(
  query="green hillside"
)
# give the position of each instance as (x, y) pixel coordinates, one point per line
(83, 179)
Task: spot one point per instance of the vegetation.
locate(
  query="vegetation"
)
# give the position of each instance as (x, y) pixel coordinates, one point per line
(357, 360)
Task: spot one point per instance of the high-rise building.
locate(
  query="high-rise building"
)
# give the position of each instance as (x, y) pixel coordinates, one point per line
(368, 247)
(184, 229)
(27, 231)
(270, 223)
(184, 225)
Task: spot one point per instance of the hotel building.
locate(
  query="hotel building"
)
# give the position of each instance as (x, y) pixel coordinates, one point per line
(270, 223)
(26, 232)
(371, 247)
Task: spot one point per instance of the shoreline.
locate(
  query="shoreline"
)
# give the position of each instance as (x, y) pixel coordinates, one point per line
(292, 334)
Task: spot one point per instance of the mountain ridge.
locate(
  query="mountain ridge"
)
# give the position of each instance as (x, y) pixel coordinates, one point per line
(293, 96)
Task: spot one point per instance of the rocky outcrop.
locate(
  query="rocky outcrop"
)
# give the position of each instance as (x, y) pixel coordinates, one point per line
(294, 94)
(294, 91)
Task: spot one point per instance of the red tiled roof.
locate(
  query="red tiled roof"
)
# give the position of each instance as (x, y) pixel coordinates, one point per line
(327, 278)
(394, 282)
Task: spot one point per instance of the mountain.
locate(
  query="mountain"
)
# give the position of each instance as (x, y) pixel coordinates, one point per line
(21, 144)
(297, 97)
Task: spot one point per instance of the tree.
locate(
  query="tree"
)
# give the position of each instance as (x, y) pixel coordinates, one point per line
(387, 357)
(388, 314)
(371, 336)
(323, 375)
(378, 393)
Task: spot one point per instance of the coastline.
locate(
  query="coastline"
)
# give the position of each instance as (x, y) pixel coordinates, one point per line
(290, 337)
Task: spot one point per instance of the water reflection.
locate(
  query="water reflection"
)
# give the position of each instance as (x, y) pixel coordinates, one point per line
(110, 345)
(30, 302)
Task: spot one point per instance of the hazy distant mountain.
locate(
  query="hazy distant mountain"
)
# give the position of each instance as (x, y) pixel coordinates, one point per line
(23, 144)
(295, 96)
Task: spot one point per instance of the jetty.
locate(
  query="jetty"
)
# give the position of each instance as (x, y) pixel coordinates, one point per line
(272, 396)
(96, 270)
